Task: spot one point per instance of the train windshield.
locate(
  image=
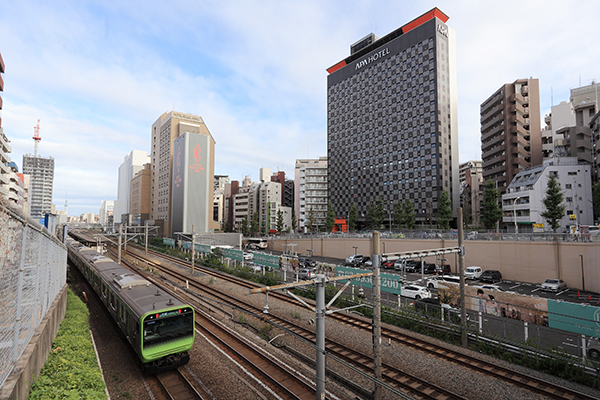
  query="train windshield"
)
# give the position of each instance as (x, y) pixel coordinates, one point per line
(158, 329)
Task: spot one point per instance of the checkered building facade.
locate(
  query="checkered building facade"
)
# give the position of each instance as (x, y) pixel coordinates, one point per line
(392, 130)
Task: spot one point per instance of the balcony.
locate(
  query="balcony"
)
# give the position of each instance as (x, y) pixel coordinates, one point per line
(492, 143)
(490, 153)
(493, 132)
(490, 124)
(491, 111)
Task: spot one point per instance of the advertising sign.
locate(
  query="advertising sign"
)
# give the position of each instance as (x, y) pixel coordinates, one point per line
(390, 283)
(169, 242)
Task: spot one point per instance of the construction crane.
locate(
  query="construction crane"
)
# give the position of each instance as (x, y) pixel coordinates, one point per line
(36, 138)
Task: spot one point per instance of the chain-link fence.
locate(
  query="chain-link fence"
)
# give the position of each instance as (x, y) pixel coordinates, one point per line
(33, 270)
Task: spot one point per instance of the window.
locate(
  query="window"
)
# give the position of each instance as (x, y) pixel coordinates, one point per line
(567, 186)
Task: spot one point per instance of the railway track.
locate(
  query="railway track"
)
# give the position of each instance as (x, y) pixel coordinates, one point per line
(513, 377)
(176, 386)
(395, 378)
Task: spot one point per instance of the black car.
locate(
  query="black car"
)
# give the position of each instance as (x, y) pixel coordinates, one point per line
(428, 269)
(306, 263)
(491, 275)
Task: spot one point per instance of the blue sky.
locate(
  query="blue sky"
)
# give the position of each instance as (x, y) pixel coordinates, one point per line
(98, 74)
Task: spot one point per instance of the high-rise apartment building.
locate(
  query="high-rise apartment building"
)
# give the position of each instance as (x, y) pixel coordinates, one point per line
(132, 164)
(41, 172)
(165, 130)
(510, 131)
(311, 188)
(392, 120)
(106, 211)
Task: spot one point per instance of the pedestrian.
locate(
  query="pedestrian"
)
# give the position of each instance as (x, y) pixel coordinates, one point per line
(491, 306)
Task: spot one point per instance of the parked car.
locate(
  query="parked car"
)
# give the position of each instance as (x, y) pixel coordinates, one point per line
(354, 259)
(442, 269)
(254, 267)
(554, 285)
(306, 273)
(473, 272)
(366, 263)
(428, 269)
(385, 264)
(410, 265)
(415, 292)
(306, 263)
(491, 275)
(433, 282)
(248, 256)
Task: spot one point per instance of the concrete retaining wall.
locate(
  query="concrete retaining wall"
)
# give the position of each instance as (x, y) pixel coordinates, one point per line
(521, 261)
(34, 357)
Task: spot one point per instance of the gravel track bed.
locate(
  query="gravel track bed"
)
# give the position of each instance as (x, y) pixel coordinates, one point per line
(218, 378)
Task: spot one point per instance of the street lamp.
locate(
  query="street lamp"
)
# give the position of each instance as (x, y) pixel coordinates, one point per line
(515, 214)
(355, 248)
(390, 216)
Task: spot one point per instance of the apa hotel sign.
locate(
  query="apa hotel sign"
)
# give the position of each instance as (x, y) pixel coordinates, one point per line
(371, 58)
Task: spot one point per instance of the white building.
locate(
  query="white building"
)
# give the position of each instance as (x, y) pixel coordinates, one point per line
(527, 191)
(106, 210)
(310, 181)
(132, 164)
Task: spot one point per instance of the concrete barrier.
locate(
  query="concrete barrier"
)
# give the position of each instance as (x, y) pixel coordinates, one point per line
(27, 370)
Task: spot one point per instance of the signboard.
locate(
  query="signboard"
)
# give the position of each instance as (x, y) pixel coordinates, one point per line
(234, 254)
(390, 283)
(577, 318)
(572, 217)
(538, 228)
(266, 260)
(169, 242)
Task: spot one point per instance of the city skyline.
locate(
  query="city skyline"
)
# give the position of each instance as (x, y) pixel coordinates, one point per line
(97, 75)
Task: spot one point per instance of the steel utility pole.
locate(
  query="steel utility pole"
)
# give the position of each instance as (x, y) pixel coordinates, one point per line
(461, 272)
(193, 246)
(376, 316)
(119, 257)
(146, 239)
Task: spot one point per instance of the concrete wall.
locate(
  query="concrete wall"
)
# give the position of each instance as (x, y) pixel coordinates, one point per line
(519, 261)
(34, 357)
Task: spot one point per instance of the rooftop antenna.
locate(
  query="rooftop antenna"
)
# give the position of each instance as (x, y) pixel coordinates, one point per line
(36, 138)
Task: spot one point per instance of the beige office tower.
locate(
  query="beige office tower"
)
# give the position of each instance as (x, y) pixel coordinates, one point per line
(165, 130)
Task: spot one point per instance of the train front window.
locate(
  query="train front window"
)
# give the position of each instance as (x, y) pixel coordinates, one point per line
(158, 330)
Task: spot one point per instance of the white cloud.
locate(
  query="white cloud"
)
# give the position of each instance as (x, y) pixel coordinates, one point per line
(99, 74)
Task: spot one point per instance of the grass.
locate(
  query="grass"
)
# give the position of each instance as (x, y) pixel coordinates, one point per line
(71, 371)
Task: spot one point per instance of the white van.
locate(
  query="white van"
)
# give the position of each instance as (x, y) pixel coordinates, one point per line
(473, 272)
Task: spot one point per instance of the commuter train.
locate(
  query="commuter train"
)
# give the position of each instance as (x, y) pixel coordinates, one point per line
(159, 327)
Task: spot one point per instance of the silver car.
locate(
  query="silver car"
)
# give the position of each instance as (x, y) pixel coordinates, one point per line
(553, 285)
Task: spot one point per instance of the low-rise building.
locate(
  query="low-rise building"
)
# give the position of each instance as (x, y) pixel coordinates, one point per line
(526, 193)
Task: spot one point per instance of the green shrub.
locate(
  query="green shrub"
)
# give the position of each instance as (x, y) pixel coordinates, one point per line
(71, 371)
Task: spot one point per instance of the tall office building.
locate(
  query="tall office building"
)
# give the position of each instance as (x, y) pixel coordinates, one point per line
(392, 120)
(511, 138)
(132, 164)
(165, 130)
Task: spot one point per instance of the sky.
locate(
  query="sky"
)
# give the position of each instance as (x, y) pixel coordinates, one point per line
(97, 74)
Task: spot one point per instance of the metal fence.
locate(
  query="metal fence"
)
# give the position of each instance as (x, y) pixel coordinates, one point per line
(33, 270)
(452, 234)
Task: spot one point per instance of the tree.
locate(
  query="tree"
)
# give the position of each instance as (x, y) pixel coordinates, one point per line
(245, 226)
(352, 217)
(491, 209)
(279, 221)
(553, 204)
(310, 221)
(254, 226)
(330, 219)
(398, 214)
(375, 214)
(596, 200)
(294, 222)
(444, 210)
(409, 214)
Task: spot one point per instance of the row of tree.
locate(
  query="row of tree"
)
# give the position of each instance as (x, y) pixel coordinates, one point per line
(404, 214)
